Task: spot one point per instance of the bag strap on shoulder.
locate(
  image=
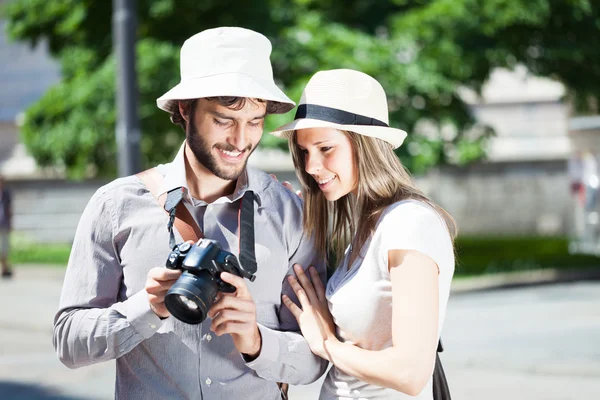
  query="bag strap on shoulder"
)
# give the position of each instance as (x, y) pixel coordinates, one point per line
(184, 222)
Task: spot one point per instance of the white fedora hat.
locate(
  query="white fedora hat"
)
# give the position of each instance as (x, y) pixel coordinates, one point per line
(347, 100)
(227, 61)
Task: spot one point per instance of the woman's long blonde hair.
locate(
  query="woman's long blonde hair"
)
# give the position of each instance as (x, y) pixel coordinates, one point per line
(382, 181)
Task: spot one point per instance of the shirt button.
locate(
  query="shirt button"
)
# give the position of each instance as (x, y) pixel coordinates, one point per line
(152, 326)
(209, 337)
(208, 381)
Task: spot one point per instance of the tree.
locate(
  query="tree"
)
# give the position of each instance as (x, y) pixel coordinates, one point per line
(421, 51)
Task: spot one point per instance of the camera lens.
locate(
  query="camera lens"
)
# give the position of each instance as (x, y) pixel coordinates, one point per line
(190, 298)
(190, 304)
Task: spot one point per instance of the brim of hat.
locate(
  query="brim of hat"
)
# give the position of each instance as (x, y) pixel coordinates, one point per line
(391, 135)
(230, 84)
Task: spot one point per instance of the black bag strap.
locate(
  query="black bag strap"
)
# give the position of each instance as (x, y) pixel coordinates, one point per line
(441, 391)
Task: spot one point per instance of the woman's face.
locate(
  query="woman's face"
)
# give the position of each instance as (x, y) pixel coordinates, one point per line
(328, 158)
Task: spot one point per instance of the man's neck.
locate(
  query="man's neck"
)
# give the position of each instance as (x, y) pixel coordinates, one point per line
(203, 184)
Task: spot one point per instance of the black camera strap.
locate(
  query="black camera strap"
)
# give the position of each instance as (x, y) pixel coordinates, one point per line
(181, 219)
(174, 197)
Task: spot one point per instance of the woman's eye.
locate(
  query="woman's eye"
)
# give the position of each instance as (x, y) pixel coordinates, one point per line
(326, 149)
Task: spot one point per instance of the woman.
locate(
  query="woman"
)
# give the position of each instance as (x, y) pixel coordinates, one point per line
(379, 319)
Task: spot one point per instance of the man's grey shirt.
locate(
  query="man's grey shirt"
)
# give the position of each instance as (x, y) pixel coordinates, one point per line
(105, 314)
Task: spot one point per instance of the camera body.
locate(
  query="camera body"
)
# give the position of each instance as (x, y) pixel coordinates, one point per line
(194, 293)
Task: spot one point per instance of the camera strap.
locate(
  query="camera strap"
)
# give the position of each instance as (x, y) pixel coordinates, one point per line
(181, 219)
(246, 228)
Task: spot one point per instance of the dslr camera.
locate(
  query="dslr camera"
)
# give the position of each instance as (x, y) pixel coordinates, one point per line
(194, 293)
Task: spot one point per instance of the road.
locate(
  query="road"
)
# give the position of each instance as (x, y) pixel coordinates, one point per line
(539, 342)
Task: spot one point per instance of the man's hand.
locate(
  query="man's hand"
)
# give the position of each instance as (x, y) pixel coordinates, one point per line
(159, 281)
(235, 314)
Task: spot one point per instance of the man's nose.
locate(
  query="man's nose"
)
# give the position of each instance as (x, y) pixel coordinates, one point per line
(240, 138)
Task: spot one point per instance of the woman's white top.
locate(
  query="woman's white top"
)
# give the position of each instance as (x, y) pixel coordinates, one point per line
(360, 297)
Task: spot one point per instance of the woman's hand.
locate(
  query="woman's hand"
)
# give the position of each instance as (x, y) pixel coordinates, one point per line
(313, 316)
(288, 185)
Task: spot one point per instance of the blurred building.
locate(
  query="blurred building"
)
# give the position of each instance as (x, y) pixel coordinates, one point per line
(522, 188)
(25, 75)
(46, 208)
(528, 114)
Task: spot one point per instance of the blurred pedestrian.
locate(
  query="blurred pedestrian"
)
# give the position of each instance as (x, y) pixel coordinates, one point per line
(379, 318)
(5, 227)
(113, 299)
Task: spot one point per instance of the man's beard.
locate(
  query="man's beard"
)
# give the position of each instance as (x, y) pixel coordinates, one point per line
(202, 151)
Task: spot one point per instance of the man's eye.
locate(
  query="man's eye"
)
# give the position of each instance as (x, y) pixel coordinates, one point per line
(255, 124)
(219, 123)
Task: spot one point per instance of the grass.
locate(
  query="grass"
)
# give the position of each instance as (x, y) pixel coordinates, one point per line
(24, 251)
(475, 255)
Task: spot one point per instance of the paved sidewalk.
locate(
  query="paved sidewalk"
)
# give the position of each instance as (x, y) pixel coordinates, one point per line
(536, 342)
(523, 278)
(29, 368)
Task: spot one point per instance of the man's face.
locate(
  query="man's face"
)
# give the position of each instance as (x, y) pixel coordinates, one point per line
(222, 138)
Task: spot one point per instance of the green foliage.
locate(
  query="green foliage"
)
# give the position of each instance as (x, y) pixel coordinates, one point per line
(421, 51)
(72, 126)
(488, 255)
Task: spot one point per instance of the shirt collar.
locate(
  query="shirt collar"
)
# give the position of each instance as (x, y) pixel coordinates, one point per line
(175, 177)
(175, 173)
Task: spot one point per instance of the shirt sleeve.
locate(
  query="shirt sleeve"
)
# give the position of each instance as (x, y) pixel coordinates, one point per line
(91, 325)
(411, 225)
(285, 355)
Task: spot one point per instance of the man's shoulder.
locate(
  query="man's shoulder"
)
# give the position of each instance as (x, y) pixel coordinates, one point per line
(121, 184)
(121, 189)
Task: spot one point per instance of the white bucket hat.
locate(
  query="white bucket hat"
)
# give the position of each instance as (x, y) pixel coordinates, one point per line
(347, 100)
(227, 61)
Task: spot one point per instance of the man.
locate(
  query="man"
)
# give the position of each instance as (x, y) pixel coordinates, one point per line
(112, 303)
(5, 227)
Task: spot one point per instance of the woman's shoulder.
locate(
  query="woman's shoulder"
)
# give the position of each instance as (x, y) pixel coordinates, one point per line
(416, 225)
(410, 216)
(409, 210)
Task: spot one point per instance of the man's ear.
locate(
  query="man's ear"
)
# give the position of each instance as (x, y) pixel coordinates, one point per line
(182, 110)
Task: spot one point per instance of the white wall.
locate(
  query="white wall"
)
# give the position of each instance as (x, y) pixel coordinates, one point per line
(486, 199)
(505, 198)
